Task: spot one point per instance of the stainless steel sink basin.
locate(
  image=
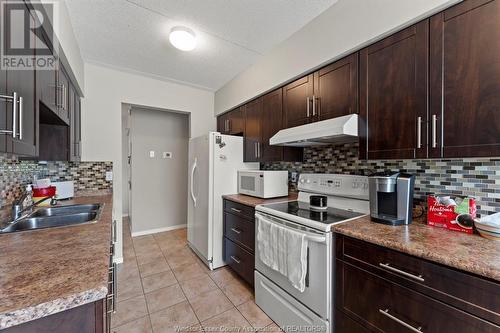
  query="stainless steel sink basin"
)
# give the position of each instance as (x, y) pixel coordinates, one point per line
(52, 217)
(65, 210)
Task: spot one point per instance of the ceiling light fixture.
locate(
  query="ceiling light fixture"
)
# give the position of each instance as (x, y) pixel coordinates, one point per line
(182, 38)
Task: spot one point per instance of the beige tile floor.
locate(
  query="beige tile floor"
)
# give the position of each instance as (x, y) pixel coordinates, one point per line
(164, 287)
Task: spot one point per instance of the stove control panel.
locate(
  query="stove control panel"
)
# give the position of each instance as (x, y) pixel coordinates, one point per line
(335, 184)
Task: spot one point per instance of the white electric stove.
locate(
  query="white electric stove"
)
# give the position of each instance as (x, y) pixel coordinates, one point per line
(310, 310)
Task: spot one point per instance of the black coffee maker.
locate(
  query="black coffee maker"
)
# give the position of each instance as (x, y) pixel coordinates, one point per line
(391, 197)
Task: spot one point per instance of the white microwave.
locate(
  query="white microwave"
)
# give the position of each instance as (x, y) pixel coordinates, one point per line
(263, 184)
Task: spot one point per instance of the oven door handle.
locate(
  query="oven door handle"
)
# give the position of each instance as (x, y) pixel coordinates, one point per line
(309, 236)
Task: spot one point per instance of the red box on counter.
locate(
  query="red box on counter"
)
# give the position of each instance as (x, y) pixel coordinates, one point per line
(455, 213)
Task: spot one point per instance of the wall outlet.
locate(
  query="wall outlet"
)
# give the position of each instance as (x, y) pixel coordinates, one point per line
(152, 153)
(293, 177)
(109, 176)
(167, 154)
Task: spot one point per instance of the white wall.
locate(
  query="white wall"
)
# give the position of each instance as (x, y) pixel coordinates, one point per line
(159, 185)
(346, 26)
(105, 91)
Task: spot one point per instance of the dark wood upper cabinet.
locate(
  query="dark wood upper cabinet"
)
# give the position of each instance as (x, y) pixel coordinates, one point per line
(465, 80)
(393, 95)
(272, 122)
(297, 101)
(232, 122)
(62, 95)
(336, 89)
(253, 130)
(22, 83)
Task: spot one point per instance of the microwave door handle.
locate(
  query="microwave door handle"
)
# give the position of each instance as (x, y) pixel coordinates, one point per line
(192, 181)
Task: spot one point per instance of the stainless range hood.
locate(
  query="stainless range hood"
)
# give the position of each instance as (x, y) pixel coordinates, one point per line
(336, 130)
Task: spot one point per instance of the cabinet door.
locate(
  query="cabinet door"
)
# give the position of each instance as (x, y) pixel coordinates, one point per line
(297, 101)
(465, 80)
(253, 111)
(22, 81)
(62, 95)
(272, 122)
(47, 80)
(3, 104)
(336, 89)
(78, 127)
(236, 122)
(73, 154)
(393, 95)
(221, 124)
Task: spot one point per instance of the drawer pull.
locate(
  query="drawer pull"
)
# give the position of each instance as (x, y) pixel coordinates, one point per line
(412, 276)
(236, 210)
(387, 314)
(236, 260)
(236, 231)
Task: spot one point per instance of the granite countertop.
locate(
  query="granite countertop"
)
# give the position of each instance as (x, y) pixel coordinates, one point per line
(470, 253)
(253, 201)
(46, 271)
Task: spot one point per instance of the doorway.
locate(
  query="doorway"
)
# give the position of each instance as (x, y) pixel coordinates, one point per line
(156, 158)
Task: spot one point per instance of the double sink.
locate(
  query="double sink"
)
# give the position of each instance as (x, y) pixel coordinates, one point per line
(51, 217)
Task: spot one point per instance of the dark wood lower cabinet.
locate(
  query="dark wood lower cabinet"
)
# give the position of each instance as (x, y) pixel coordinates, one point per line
(369, 298)
(239, 239)
(88, 318)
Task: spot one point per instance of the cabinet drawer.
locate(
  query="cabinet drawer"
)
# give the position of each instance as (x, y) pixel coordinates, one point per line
(240, 230)
(388, 307)
(344, 324)
(470, 293)
(239, 209)
(240, 260)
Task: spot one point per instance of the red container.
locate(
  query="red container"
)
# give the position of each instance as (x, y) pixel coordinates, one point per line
(451, 212)
(44, 192)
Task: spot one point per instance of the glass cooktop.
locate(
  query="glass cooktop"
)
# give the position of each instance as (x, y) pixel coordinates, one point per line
(301, 209)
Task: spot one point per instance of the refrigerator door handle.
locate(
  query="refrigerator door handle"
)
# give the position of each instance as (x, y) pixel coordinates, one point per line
(193, 168)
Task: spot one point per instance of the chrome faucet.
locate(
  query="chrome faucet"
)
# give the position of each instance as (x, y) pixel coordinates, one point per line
(18, 209)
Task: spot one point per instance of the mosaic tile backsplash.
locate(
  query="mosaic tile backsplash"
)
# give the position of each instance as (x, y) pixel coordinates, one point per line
(89, 177)
(475, 177)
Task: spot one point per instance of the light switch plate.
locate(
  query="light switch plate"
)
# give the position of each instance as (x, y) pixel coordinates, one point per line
(152, 153)
(167, 154)
(109, 176)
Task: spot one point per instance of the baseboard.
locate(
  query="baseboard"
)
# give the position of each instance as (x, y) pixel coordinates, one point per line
(157, 230)
(118, 260)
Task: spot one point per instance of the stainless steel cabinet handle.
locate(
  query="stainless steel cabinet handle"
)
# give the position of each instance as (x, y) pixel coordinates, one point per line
(236, 231)
(13, 100)
(20, 118)
(387, 314)
(255, 149)
(258, 149)
(236, 210)
(236, 260)
(314, 106)
(307, 106)
(14, 114)
(434, 130)
(419, 132)
(412, 276)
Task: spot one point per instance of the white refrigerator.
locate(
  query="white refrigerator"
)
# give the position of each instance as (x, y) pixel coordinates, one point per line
(214, 160)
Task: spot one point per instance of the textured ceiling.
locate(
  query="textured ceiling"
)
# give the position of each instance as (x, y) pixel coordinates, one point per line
(232, 34)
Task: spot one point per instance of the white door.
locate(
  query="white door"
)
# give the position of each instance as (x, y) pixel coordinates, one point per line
(199, 222)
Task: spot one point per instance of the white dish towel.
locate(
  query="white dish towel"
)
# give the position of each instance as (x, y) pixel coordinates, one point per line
(283, 249)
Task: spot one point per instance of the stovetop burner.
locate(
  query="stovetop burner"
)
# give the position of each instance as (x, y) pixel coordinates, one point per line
(301, 209)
